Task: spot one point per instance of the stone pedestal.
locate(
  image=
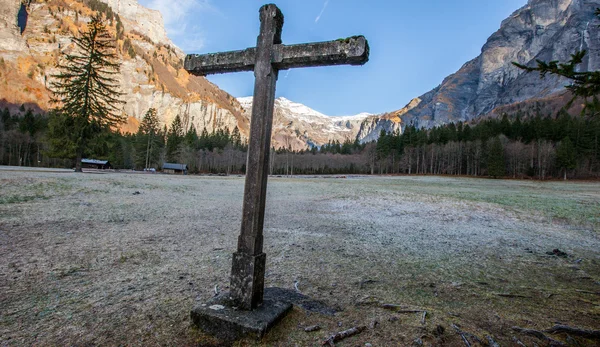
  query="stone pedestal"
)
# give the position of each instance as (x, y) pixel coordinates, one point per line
(220, 318)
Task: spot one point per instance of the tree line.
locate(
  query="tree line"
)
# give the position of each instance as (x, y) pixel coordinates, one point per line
(517, 146)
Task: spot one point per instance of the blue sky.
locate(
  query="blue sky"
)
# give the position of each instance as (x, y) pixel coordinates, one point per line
(414, 44)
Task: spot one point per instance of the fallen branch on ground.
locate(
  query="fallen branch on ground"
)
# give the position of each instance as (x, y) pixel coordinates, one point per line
(590, 334)
(540, 335)
(587, 292)
(342, 335)
(423, 317)
(536, 333)
(508, 295)
(462, 335)
(400, 309)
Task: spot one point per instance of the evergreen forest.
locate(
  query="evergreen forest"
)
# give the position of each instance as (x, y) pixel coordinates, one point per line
(513, 146)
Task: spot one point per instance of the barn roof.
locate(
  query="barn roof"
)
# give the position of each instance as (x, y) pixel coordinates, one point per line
(172, 166)
(94, 161)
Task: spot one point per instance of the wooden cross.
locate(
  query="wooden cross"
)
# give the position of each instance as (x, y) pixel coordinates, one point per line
(266, 60)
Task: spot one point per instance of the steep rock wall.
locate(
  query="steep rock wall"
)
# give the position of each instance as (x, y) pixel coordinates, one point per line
(543, 29)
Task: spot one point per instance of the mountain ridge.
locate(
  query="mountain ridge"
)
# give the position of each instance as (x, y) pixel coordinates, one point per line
(298, 126)
(152, 74)
(540, 30)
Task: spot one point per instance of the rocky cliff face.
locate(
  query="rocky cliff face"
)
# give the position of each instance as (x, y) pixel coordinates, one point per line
(371, 127)
(151, 74)
(141, 19)
(543, 29)
(10, 39)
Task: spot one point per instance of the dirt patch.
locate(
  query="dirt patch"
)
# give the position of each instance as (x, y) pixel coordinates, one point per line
(85, 260)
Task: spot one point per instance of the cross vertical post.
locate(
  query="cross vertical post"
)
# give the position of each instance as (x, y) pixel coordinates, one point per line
(248, 268)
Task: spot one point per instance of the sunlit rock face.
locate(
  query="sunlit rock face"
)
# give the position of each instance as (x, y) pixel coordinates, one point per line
(543, 29)
(10, 33)
(141, 19)
(151, 72)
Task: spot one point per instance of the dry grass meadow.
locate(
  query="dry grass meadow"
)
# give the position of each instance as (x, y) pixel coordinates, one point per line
(120, 259)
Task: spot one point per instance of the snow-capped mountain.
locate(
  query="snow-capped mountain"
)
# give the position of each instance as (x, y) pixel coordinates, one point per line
(298, 126)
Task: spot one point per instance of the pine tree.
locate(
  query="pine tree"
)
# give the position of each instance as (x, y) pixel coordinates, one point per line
(203, 141)
(505, 126)
(60, 135)
(383, 145)
(565, 156)
(29, 123)
(6, 119)
(174, 139)
(495, 162)
(149, 131)
(236, 138)
(516, 129)
(86, 89)
(467, 133)
(191, 138)
(346, 147)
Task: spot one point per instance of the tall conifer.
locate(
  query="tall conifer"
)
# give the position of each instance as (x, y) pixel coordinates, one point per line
(86, 89)
(495, 161)
(149, 133)
(566, 156)
(174, 139)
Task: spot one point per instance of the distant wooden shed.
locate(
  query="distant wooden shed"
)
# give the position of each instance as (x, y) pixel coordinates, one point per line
(172, 168)
(96, 164)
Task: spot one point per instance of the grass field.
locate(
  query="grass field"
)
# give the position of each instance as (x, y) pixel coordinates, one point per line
(120, 259)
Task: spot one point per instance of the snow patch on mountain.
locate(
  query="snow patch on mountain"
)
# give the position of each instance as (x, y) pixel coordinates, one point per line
(303, 112)
(309, 126)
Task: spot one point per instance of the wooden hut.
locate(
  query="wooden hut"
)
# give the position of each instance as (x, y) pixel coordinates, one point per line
(172, 168)
(95, 164)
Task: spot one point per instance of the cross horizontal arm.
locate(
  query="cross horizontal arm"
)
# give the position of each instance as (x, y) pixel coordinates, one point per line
(217, 63)
(350, 51)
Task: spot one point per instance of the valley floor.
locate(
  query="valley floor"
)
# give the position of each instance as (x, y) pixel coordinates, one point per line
(120, 259)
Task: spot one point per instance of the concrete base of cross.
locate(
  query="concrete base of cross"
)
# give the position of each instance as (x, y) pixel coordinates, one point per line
(220, 319)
